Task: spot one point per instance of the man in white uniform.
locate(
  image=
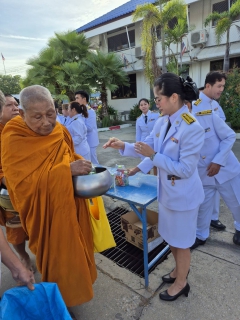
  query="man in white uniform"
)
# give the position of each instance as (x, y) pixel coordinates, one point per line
(207, 101)
(82, 97)
(218, 167)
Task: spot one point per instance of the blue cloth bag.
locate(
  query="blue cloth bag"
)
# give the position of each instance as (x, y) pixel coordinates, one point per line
(45, 302)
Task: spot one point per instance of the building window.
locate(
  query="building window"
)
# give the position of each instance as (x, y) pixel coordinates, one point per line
(120, 41)
(217, 65)
(124, 92)
(220, 7)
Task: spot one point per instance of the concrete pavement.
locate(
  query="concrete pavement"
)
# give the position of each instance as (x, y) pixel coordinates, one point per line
(214, 276)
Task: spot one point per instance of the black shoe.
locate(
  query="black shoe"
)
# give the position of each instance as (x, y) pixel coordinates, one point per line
(197, 243)
(165, 296)
(236, 238)
(217, 225)
(168, 279)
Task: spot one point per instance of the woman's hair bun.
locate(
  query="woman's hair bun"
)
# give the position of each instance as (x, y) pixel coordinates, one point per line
(190, 89)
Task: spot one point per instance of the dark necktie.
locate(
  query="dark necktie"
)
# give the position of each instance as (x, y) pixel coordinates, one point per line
(145, 119)
(168, 127)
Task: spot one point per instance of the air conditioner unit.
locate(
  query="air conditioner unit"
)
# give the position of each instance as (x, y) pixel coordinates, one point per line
(138, 52)
(199, 37)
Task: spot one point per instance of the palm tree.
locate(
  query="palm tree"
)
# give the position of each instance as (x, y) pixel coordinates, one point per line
(224, 22)
(71, 77)
(176, 35)
(152, 18)
(73, 46)
(60, 67)
(107, 73)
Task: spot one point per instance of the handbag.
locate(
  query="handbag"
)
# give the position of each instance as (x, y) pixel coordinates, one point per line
(102, 235)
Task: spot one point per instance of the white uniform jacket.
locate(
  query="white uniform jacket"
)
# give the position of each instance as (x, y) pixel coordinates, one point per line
(78, 132)
(219, 139)
(65, 120)
(91, 124)
(205, 103)
(144, 129)
(177, 156)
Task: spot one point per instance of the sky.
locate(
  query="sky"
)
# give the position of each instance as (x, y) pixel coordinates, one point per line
(26, 26)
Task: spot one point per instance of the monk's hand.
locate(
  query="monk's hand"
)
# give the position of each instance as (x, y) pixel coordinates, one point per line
(24, 277)
(143, 148)
(115, 144)
(80, 167)
(133, 171)
(213, 169)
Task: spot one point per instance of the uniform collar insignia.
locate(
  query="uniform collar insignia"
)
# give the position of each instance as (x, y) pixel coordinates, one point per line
(196, 103)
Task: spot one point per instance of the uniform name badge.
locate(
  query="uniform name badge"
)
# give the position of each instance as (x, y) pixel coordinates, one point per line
(207, 129)
(174, 140)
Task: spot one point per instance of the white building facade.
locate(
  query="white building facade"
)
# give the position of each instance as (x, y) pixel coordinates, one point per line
(116, 32)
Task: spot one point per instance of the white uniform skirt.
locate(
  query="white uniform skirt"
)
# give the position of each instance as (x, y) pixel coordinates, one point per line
(177, 228)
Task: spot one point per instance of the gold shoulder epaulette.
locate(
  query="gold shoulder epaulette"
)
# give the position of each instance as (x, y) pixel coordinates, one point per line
(188, 118)
(203, 113)
(160, 115)
(89, 107)
(196, 103)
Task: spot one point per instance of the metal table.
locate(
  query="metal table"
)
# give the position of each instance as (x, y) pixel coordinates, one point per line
(142, 191)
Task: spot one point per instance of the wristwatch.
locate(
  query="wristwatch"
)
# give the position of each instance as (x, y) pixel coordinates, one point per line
(152, 156)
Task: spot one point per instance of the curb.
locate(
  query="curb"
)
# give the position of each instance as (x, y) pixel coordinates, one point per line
(237, 135)
(115, 127)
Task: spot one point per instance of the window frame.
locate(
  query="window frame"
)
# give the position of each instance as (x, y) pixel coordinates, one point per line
(125, 90)
(118, 36)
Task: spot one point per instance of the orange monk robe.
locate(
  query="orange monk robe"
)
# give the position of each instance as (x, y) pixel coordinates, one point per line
(15, 236)
(37, 170)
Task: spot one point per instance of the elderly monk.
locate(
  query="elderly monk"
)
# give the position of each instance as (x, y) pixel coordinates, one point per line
(39, 161)
(17, 236)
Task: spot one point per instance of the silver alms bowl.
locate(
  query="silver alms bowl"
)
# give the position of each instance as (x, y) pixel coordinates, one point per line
(5, 201)
(92, 185)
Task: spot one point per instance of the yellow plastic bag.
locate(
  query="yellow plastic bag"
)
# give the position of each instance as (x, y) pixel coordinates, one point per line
(102, 234)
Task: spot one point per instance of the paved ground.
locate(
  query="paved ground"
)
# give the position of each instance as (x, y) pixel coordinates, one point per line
(214, 277)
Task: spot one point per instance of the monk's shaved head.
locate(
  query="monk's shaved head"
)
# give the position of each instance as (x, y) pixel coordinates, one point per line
(34, 94)
(2, 101)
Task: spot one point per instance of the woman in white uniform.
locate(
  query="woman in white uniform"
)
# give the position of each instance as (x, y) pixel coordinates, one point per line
(145, 121)
(174, 148)
(78, 129)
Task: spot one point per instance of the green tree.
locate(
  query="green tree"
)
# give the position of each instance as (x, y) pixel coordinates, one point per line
(107, 73)
(152, 18)
(230, 98)
(175, 35)
(224, 22)
(169, 10)
(60, 66)
(10, 84)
